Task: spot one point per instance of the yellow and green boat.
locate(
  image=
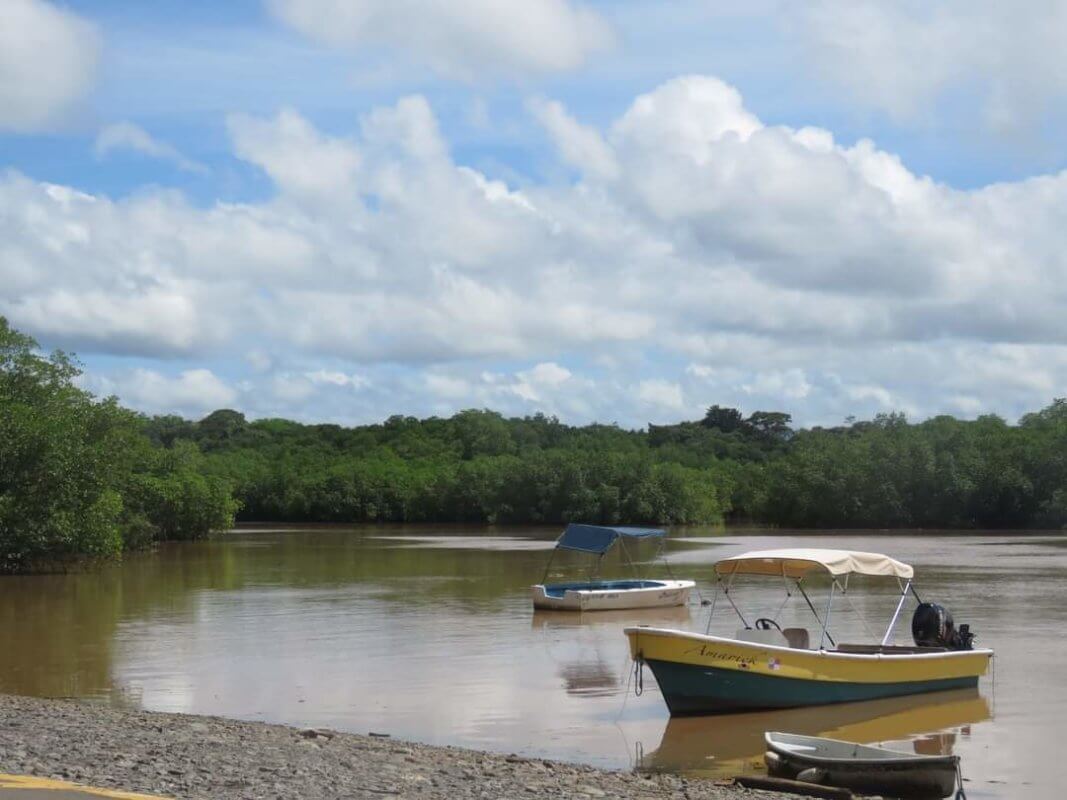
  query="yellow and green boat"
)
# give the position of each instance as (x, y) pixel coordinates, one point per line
(765, 666)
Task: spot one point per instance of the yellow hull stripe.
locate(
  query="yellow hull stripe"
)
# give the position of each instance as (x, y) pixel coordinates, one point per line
(680, 647)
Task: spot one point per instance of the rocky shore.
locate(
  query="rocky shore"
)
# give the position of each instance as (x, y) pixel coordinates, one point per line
(206, 757)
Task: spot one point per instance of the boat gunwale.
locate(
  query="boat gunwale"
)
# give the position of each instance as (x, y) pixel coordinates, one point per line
(896, 758)
(707, 637)
(660, 586)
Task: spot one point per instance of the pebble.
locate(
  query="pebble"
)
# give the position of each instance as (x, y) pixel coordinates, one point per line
(202, 758)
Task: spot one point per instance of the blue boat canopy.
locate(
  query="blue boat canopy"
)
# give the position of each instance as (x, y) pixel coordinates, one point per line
(600, 538)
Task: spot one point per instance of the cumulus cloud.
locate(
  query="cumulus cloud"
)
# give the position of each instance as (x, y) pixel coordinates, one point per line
(904, 57)
(127, 136)
(466, 38)
(191, 392)
(661, 395)
(579, 145)
(785, 269)
(48, 58)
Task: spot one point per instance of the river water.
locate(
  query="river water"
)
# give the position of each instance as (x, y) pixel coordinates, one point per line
(427, 633)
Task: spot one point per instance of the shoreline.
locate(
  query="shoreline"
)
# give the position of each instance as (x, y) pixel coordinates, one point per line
(189, 756)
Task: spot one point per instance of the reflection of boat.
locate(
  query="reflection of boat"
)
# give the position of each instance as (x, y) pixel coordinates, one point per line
(603, 595)
(589, 675)
(862, 768)
(768, 667)
(548, 619)
(589, 679)
(732, 744)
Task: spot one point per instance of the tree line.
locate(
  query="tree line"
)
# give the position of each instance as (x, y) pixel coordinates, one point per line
(81, 476)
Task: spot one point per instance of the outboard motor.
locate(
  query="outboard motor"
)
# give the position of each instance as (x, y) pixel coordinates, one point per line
(932, 626)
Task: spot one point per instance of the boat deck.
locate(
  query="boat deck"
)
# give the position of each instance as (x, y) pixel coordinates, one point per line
(559, 589)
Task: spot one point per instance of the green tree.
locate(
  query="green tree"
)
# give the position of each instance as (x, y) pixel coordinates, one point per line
(58, 451)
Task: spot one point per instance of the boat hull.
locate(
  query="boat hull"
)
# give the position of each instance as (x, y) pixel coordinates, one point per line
(611, 595)
(708, 674)
(864, 769)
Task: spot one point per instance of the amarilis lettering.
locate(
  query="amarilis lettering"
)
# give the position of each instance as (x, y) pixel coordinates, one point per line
(719, 656)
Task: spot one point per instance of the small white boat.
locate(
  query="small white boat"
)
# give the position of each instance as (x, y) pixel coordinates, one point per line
(607, 595)
(611, 595)
(862, 768)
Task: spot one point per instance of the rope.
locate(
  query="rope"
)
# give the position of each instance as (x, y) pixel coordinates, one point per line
(960, 794)
(625, 697)
(639, 676)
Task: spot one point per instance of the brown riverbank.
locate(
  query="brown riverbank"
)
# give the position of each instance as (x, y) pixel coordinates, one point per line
(207, 757)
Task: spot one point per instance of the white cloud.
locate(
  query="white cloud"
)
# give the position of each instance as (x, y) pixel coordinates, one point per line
(540, 380)
(191, 392)
(906, 57)
(301, 161)
(127, 136)
(48, 58)
(465, 38)
(581, 146)
(788, 270)
(661, 393)
(447, 387)
(335, 378)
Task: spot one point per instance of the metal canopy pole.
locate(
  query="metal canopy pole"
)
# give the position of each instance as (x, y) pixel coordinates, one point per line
(726, 591)
(896, 614)
(816, 613)
(714, 597)
(548, 566)
(826, 621)
(629, 560)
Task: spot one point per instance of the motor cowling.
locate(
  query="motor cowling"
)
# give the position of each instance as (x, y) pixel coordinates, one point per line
(932, 626)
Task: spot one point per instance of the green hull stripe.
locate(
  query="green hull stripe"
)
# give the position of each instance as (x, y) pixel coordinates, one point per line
(690, 689)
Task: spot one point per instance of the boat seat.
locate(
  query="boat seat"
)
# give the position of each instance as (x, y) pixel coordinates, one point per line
(777, 638)
(798, 638)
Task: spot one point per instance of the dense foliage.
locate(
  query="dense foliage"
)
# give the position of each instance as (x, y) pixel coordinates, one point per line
(480, 467)
(78, 477)
(474, 467)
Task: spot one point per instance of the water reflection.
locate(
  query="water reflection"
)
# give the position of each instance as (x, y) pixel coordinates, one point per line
(428, 633)
(732, 744)
(584, 669)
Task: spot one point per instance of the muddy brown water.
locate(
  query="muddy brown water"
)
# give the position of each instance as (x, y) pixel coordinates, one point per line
(427, 633)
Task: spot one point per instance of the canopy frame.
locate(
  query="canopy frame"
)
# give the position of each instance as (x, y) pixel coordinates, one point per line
(799, 562)
(609, 536)
(839, 565)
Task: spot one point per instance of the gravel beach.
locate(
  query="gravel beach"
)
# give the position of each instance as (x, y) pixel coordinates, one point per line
(206, 757)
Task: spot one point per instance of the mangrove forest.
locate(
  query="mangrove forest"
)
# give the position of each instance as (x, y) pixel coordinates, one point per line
(81, 476)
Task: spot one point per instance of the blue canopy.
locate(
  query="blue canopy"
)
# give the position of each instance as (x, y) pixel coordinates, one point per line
(599, 538)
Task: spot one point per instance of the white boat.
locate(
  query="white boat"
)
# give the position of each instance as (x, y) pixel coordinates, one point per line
(607, 595)
(862, 768)
(611, 595)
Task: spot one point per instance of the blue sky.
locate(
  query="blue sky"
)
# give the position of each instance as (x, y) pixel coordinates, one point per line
(344, 209)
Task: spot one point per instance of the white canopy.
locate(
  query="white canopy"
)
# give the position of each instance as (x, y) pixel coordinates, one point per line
(798, 562)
